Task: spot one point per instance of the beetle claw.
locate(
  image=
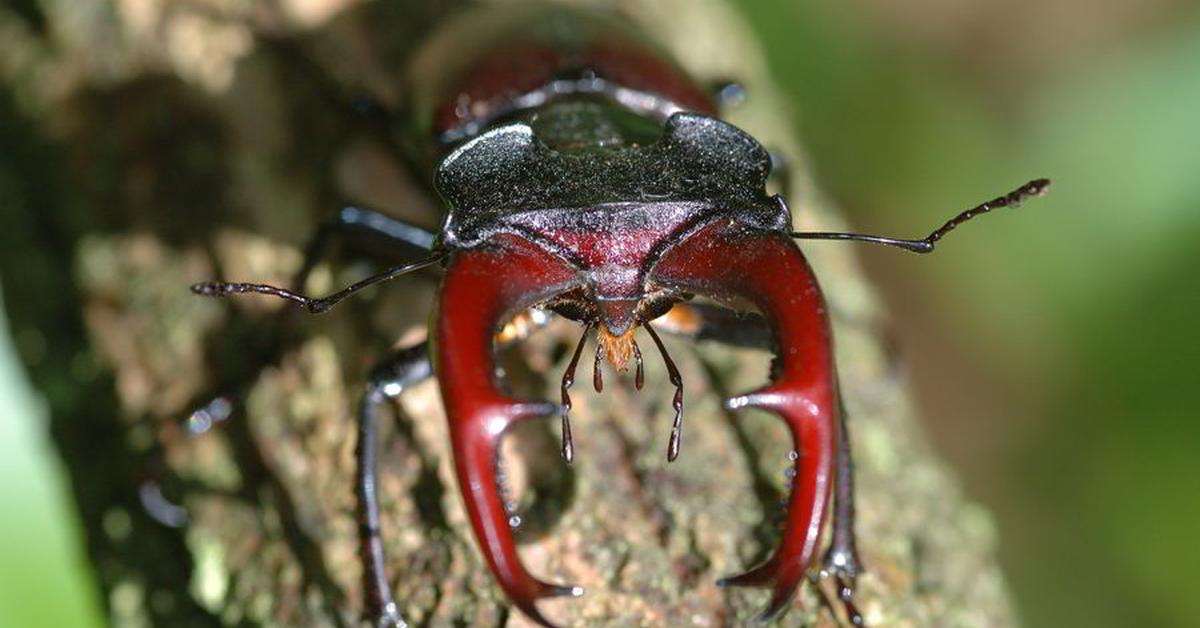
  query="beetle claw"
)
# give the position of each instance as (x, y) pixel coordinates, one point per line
(845, 590)
(840, 563)
(471, 304)
(842, 566)
(783, 587)
(758, 577)
(812, 432)
(770, 272)
(389, 617)
(528, 603)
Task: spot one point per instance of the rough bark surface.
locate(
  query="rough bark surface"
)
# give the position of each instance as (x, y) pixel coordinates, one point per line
(159, 144)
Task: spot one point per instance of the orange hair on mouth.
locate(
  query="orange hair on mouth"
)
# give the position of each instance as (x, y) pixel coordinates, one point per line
(617, 349)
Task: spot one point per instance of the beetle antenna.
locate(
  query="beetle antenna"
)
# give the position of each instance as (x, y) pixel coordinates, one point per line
(568, 443)
(677, 402)
(1037, 187)
(314, 306)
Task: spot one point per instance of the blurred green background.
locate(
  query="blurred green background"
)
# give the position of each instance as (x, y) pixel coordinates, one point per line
(1053, 348)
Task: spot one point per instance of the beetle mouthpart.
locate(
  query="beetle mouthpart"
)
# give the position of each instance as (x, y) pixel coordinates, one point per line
(617, 349)
(768, 270)
(677, 401)
(639, 377)
(471, 304)
(568, 443)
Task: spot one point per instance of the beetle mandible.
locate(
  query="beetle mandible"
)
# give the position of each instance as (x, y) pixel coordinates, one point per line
(586, 175)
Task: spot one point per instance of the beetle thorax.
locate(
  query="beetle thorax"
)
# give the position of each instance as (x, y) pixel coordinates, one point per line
(609, 210)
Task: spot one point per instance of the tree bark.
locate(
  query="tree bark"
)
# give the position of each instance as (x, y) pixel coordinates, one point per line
(178, 142)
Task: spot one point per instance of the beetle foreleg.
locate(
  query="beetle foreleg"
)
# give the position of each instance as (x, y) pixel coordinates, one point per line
(356, 221)
(388, 380)
(841, 559)
(349, 220)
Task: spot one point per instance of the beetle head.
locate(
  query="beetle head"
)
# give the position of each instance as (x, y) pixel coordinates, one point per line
(610, 212)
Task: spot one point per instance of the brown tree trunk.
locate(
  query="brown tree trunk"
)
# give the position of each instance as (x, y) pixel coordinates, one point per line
(182, 141)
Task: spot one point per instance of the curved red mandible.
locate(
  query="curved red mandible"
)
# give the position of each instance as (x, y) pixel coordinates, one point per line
(766, 268)
(482, 288)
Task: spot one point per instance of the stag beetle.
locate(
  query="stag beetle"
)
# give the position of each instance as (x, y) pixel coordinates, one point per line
(586, 175)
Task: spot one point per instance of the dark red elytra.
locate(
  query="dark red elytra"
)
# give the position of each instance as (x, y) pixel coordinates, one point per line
(586, 175)
(529, 69)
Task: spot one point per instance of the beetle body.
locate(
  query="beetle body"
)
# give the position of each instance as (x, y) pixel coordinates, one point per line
(589, 176)
(585, 174)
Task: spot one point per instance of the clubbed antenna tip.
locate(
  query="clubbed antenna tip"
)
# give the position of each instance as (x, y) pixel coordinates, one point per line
(1037, 187)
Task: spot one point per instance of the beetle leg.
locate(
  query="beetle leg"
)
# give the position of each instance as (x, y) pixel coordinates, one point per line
(349, 220)
(400, 370)
(841, 559)
(388, 380)
(471, 304)
(219, 406)
(768, 270)
(781, 171)
(355, 221)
